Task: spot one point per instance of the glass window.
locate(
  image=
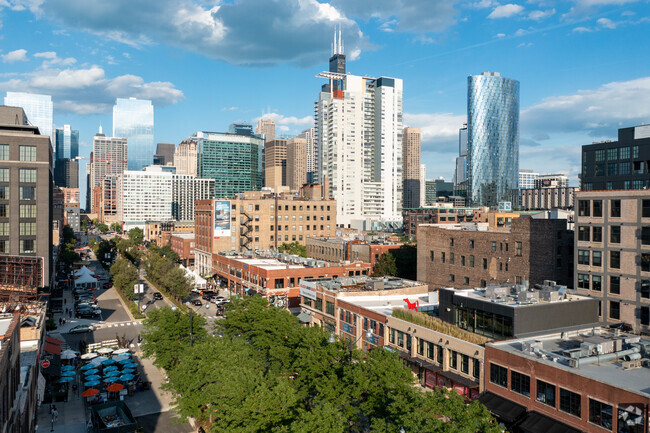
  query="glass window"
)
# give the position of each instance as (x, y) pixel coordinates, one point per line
(624, 168)
(442, 257)
(476, 368)
(599, 170)
(462, 260)
(570, 401)
(615, 208)
(583, 257)
(645, 205)
(28, 153)
(27, 211)
(597, 233)
(584, 208)
(645, 316)
(583, 233)
(4, 176)
(615, 234)
(583, 281)
(431, 255)
(452, 278)
(520, 383)
(4, 192)
(318, 304)
(597, 258)
(27, 246)
(518, 248)
(453, 360)
(615, 310)
(635, 151)
(4, 210)
(645, 235)
(4, 152)
(600, 155)
(464, 364)
(451, 258)
(4, 229)
(28, 229)
(612, 154)
(645, 261)
(27, 175)
(494, 246)
(615, 285)
(27, 193)
(546, 393)
(498, 375)
(598, 208)
(612, 169)
(615, 259)
(600, 413)
(4, 246)
(596, 283)
(485, 264)
(644, 288)
(624, 153)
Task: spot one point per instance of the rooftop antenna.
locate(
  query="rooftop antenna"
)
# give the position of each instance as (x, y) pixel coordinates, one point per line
(100, 127)
(340, 41)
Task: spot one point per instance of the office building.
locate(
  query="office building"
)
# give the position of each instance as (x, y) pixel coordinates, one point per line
(66, 173)
(492, 139)
(582, 381)
(38, 109)
(109, 158)
(548, 198)
(275, 163)
(460, 173)
(66, 143)
(133, 120)
(164, 154)
(476, 255)
(308, 135)
(621, 164)
(613, 254)
(527, 178)
(411, 168)
(186, 190)
(296, 175)
(240, 128)
(186, 157)
(551, 181)
(437, 188)
(259, 221)
(233, 161)
(358, 140)
(26, 214)
(423, 184)
(266, 129)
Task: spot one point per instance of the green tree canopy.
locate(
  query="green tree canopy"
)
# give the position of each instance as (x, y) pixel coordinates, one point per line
(293, 248)
(116, 227)
(385, 266)
(136, 235)
(102, 227)
(164, 272)
(125, 275)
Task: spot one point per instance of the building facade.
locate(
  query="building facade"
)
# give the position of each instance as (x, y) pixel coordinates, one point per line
(186, 190)
(186, 157)
(527, 178)
(66, 173)
(109, 158)
(26, 207)
(144, 196)
(10, 366)
(548, 198)
(133, 120)
(474, 255)
(612, 254)
(308, 135)
(38, 108)
(183, 244)
(266, 128)
(66, 142)
(411, 173)
(622, 164)
(296, 163)
(460, 174)
(492, 139)
(165, 153)
(441, 213)
(275, 163)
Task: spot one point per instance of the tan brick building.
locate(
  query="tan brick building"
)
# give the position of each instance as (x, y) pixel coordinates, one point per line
(160, 232)
(343, 249)
(612, 254)
(275, 163)
(475, 255)
(296, 163)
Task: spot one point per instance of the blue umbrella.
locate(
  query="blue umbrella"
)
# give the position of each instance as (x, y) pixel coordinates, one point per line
(125, 361)
(91, 372)
(68, 373)
(112, 373)
(67, 367)
(93, 377)
(128, 371)
(126, 377)
(92, 383)
(111, 379)
(88, 367)
(108, 361)
(131, 365)
(110, 368)
(66, 379)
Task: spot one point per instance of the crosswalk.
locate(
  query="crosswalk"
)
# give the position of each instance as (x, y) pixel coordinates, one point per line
(117, 325)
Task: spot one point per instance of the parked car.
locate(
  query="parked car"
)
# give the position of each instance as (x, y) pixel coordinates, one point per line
(219, 300)
(207, 294)
(157, 296)
(197, 302)
(89, 313)
(107, 285)
(80, 329)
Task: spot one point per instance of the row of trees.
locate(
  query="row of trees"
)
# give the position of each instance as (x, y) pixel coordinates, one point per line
(163, 271)
(68, 255)
(125, 276)
(263, 372)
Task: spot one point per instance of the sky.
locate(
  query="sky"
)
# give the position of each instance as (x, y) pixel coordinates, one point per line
(582, 65)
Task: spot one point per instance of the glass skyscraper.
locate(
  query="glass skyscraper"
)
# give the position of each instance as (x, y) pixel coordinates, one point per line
(66, 142)
(133, 120)
(38, 108)
(492, 139)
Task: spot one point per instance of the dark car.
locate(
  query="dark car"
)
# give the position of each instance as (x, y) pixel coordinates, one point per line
(157, 296)
(88, 313)
(197, 302)
(207, 294)
(79, 329)
(107, 285)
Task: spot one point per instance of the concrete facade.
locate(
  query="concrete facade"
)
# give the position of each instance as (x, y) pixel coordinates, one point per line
(411, 174)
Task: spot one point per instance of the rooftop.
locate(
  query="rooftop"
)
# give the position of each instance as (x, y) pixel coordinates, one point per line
(363, 283)
(272, 260)
(517, 295)
(386, 304)
(183, 235)
(618, 359)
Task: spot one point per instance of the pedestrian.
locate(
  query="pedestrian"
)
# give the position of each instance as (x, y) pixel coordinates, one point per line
(70, 314)
(60, 322)
(63, 318)
(55, 414)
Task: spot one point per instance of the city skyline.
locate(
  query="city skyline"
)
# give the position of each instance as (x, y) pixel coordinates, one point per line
(579, 80)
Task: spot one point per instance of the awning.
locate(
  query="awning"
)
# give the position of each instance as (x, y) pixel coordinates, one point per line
(53, 341)
(424, 364)
(461, 380)
(502, 408)
(304, 317)
(535, 422)
(53, 349)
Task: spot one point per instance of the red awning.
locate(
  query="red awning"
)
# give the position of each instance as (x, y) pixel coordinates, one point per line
(53, 341)
(53, 349)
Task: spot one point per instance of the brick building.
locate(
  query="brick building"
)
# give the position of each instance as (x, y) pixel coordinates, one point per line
(10, 368)
(475, 255)
(582, 381)
(341, 249)
(440, 213)
(613, 254)
(183, 244)
(160, 232)
(276, 276)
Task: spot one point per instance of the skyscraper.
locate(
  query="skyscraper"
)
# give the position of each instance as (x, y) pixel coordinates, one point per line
(296, 163)
(460, 174)
(411, 167)
(66, 173)
(38, 108)
(66, 142)
(133, 120)
(266, 128)
(308, 135)
(240, 128)
(164, 153)
(492, 139)
(185, 158)
(109, 158)
(275, 163)
(358, 145)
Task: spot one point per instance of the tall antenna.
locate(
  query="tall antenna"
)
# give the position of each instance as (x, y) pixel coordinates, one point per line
(340, 41)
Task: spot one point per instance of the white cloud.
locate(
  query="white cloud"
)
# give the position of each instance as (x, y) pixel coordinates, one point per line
(582, 30)
(500, 35)
(521, 32)
(482, 4)
(230, 108)
(46, 55)
(606, 23)
(540, 15)
(280, 119)
(436, 127)
(19, 55)
(506, 11)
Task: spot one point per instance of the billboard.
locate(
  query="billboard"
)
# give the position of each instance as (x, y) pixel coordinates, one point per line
(221, 218)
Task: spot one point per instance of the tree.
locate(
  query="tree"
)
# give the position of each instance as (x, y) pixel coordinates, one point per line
(125, 275)
(385, 266)
(68, 255)
(293, 248)
(116, 227)
(136, 235)
(102, 227)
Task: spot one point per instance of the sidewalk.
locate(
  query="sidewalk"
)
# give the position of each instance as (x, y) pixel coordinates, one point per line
(71, 419)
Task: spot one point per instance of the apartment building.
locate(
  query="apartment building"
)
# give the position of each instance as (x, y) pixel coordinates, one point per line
(441, 213)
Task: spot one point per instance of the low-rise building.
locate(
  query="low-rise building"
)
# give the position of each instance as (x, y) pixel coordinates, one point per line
(365, 249)
(548, 198)
(588, 380)
(160, 232)
(183, 245)
(10, 368)
(441, 213)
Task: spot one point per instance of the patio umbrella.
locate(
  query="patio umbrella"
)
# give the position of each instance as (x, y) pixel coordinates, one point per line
(122, 351)
(89, 355)
(90, 392)
(67, 368)
(130, 365)
(91, 372)
(115, 387)
(69, 373)
(92, 383)
(110, 368)
(65, 379)
(126, 377)
(111, 379)
(88, 367)
(112, 373)
(68, 354)
(105, 351)
(94, 377)
(108, 361)
(124, 361)
(128, 371)
(99, 360)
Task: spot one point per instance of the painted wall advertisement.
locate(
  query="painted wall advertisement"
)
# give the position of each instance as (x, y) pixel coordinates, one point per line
(221, 218)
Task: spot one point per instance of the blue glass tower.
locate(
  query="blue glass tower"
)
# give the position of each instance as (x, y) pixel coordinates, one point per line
(133, 120)
(66, 142)
(492, 139)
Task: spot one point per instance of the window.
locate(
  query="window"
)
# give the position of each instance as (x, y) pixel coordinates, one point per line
(520, 383)
(476, 368)
(451, 258)
(645, 316)
(596, 283)
(27, 246)
(4, 193)
(600, 155)
(583, 281)
(597, 258)
(615, 208)
(28, 153)
(615, 285)
(485, 264)
(442, 257)
(471, 261)
(600, 414)
(645, 235)
(644, 288)
(329, 308)
(612, 154)
(615, 259)
(431, 255)
(624, 168)
(612, 169)
(598, 208)
(599, 170)
(4, 210)
(27, 193)
(546, 393)
(570, 402)
(464, 364)
(466, 281)
(27, 211)
(462, 260)
(615, 234)
(4, 246)
(583, 233)
(4, 152)
(615, 310)
(453, 360)
(28, 229)
(583, 257)
(471, 244)
(451, 242)
(645, 261)
(635, 151)
(452, 278)
(27, 175)
(318, 304)
(494, 246)
(584, 208)
(597, 234)
(518, 249)
(498, 375)
(637, 167)
(645, 204)
(4, 176)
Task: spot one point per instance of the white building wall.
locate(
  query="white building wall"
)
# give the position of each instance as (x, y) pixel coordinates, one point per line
(144, 196)
(423, 184)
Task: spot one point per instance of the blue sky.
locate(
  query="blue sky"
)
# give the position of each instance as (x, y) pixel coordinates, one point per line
(582, 64)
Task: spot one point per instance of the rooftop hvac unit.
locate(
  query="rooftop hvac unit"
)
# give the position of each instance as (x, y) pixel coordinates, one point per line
(531, 345)
(550, 295)
(320, 263)
(493, 292)
(528, 296)
(550, 283)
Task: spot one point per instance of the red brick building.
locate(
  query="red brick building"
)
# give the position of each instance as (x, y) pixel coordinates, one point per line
(183, 244)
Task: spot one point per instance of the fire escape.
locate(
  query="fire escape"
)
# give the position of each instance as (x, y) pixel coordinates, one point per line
(246, 230)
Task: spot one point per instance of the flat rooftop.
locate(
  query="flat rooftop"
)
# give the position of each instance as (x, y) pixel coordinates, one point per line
(267, 264)
(578, 353)
(273, 260)
(386, 304)
(5, 322)
(183, 235)
(518, 296)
